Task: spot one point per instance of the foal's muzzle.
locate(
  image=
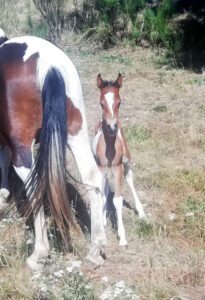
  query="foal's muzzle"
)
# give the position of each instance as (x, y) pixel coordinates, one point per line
(112, 130)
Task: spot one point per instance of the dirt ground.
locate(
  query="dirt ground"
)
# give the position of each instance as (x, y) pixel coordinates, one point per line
(162, 113)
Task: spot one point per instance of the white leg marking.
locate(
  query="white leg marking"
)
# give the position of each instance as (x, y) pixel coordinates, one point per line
(118, 203)
(138, 204)
(105, 196)
(4, 165)
(90, 175)
(95, 141)
(41, 246)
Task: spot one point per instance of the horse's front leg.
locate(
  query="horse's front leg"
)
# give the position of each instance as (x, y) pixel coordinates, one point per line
(41, 246)
(92, 176)
(118, 202)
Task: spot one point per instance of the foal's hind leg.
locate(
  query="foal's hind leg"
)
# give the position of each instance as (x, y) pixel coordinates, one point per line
(41, 247)
(4, 165)
(118, 203)
(91, 176)
(129, 178)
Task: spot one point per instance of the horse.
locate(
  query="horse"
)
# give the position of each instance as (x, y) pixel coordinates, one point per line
(111, 151)
(41, 101)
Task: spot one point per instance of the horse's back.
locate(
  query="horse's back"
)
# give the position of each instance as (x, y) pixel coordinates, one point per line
(24, 65)
(45, 55)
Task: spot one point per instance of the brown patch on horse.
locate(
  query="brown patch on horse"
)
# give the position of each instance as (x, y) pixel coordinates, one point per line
(118, 172)
(126, 152)
(109, 151)
(74, 118)
(23, 117)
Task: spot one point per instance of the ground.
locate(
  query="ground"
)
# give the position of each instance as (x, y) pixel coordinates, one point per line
(162, 113)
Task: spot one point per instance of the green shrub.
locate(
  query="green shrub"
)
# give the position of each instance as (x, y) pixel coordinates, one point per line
(154, 24)
(36, 28)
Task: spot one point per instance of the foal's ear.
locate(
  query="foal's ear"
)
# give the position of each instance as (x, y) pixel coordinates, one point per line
(118, 81)
(99, 81)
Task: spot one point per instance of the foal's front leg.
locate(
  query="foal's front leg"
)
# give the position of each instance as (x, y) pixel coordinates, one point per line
(129, 178)
(118, 202)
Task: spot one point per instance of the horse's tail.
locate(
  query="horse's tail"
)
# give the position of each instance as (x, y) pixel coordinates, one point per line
(47, 181)
(3, 37)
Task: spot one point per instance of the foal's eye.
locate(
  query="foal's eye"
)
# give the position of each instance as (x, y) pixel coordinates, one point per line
(118, 104)
(102, 105)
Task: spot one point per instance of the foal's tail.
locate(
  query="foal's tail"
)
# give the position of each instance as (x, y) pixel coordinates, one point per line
(47, 182)
(3, 37)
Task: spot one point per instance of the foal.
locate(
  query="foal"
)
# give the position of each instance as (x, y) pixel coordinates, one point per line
(111, 151)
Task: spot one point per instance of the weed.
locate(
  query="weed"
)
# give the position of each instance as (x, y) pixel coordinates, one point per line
(160, 108)
(36, 28)
(193, 205)
(199, 81)
(143, 229)
(136, 134)
(202, 108)
(116, 59)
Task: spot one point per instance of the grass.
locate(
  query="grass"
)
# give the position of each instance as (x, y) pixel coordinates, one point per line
(119, 59)
(160, 108)
(136, 134)
(166, 143)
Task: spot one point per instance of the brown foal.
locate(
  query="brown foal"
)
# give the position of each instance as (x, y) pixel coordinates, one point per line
(111, 151)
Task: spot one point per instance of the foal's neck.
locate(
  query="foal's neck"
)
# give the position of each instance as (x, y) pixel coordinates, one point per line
(110, 139)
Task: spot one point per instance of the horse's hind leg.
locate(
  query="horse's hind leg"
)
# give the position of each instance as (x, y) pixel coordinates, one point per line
(129, 178)
(91, 176)
(41, 247)
(4, 165)
(118, 203)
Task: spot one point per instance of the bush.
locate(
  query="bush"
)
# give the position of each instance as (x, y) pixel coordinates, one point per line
(153, 24)
(53, 13)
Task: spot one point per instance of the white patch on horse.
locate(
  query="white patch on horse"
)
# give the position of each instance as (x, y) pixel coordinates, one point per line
(109, 97)
(22, 172)
(95, 141)
(51, 56)
(41, 246)
(2, 33)
(118, 203)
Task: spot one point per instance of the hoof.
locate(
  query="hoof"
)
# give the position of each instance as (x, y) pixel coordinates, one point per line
(95, 261)
(4, 193)
(33, 265)
(142, 216)
(94, 256)
(123, 243)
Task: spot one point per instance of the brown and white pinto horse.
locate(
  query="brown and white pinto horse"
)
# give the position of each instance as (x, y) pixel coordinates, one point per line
(111, 151)
(41, 99)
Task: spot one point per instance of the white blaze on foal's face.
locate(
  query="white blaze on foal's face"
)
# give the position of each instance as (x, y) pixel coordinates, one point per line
(109, 98)
(110, 101)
